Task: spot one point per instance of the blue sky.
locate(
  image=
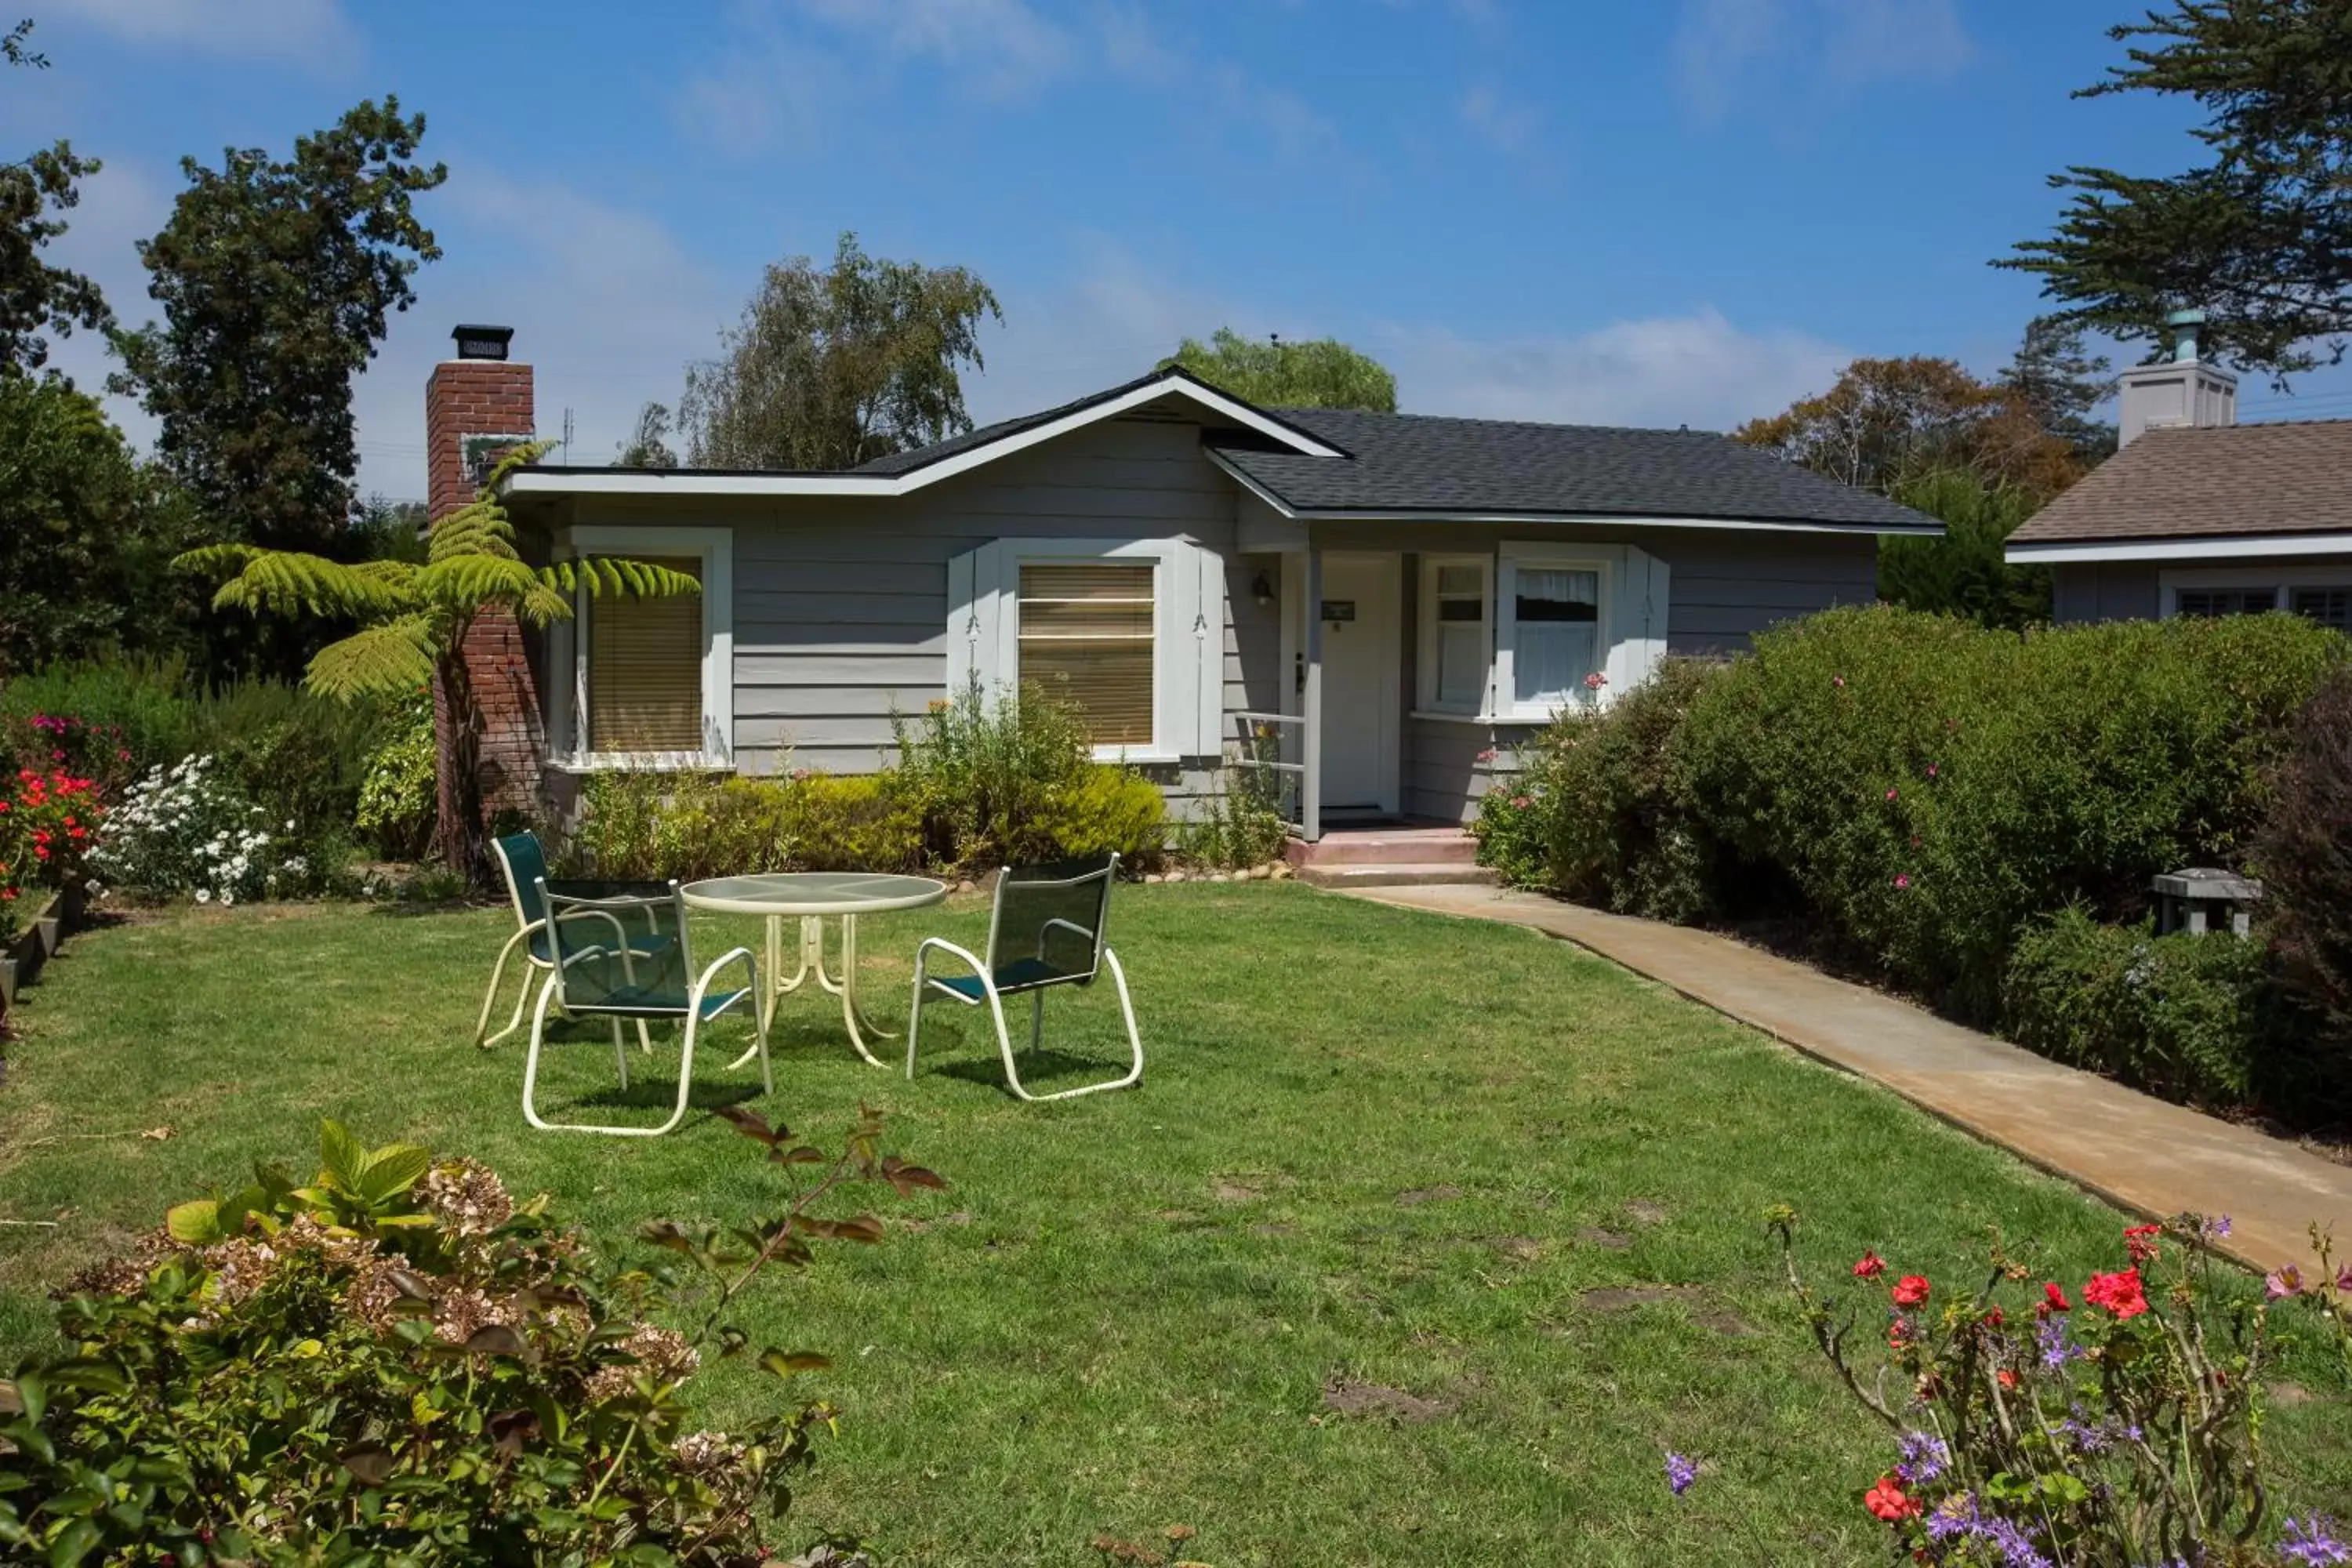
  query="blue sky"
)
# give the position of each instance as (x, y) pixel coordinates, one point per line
(1667, 212)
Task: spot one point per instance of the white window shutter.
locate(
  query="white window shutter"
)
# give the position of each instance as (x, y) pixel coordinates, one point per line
(1206, 631)
(1637, 621)
(976, 621)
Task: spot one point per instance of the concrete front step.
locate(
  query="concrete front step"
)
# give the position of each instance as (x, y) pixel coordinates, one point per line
(1410, 875)
(1388, 846)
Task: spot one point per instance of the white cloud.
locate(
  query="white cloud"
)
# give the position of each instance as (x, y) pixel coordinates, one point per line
(606, 305)
(1728, 51)
(1507, 124)
(1698, 370)
(1004, 48)
(310, 32)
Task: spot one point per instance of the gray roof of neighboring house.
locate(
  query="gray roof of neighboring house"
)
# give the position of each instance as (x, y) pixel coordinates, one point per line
(2219, 480)
(1420, 463)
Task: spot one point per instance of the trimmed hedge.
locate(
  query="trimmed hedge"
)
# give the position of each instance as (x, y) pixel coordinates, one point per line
(1920, 789)
(2183, 1016)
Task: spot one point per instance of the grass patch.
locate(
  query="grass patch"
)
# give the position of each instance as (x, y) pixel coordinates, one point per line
(1421, 1241)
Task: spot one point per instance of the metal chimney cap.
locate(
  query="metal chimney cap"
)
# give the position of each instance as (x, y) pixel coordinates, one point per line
(482, 343)
(2184, 324)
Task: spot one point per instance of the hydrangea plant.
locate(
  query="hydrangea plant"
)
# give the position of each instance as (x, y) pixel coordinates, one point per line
(398, 1362)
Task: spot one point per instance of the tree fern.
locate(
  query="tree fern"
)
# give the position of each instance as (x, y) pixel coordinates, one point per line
(417, 618)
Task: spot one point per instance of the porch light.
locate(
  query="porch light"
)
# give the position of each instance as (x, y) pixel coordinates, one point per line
(1262, 591)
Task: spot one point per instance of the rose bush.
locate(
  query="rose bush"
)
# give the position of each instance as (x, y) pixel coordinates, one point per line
(2116, 1425)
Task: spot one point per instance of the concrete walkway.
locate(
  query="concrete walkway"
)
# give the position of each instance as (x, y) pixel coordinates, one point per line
(2138, 1153)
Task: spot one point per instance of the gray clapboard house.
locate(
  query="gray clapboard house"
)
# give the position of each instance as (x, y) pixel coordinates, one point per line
(1398, 599)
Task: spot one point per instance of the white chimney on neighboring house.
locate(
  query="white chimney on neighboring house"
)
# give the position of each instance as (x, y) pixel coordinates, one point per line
(2182, 390)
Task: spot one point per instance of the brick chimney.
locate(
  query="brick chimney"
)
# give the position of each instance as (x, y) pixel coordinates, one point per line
(2182, 390)
(478, 405)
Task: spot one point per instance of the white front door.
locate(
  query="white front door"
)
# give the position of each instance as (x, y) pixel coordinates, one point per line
(1363, 682)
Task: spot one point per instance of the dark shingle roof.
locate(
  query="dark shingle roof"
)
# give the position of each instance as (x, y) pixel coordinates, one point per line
(1419, 463)
(2186, 481)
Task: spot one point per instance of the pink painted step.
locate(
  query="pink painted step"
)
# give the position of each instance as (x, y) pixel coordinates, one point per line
(1390, 855)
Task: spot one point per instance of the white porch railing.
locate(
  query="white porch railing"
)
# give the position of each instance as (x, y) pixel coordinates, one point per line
(1261, 745)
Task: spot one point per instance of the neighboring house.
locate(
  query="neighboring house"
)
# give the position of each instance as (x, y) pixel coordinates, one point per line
(2199, 515)
(1400, 599)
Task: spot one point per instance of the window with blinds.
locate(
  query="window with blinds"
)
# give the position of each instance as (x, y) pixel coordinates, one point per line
(645, 668)
(1086, 635)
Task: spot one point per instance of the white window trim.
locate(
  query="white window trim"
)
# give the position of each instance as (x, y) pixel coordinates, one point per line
(1426, 700)
(2282, 579)
(1188, 632)
(568, 648)
(1607, 565)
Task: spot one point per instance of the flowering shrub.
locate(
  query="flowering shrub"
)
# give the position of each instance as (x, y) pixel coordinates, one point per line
(183, 831)
(1514, 834)
(400, 1362)
(2109, 1425)
(49, 824)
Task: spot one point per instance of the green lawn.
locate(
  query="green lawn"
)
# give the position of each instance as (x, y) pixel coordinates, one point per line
(1373, 1148)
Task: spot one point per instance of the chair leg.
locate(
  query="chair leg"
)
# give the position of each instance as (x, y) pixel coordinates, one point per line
(490, 996)
(621, 1051)
(530, 1061)
(1036, 1020)
(1127, 1015)
(915, 1017)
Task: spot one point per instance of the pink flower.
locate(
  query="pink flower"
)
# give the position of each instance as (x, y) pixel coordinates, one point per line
(2282, 1282)
(1488, 755)
(1523, 801)
(1595, 681)
(1838, 681)
(1931, 770)
(1890, 793)
(1902, 879)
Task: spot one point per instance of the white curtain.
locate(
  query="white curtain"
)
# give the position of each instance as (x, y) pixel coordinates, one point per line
(1559, 636)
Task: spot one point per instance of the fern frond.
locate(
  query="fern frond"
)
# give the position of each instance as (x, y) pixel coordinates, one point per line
(295, 583)
(629, 579)
(460, 584)
(390, 659)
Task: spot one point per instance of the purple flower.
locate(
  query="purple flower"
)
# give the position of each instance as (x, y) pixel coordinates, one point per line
(2216, 1228)
(2056, 1349)
(1924, 1457)
(2312, 1543)
(1680, 1472)
(1958, 1519)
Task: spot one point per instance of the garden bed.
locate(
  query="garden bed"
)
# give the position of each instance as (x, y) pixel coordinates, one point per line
(58, 916)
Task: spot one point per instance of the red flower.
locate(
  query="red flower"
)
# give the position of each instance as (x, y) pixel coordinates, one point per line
(1995, 1317)
(2138, 1242)
(2006, 1378)
(1887, 1502)
(2118, 1293)
(1911, 1291)
(2054, 1300)
(1871, 1267)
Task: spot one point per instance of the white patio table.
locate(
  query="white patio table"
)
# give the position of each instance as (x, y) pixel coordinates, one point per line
(816, 897)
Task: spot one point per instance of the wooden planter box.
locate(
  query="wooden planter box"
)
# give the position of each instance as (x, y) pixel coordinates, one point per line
(45, 932)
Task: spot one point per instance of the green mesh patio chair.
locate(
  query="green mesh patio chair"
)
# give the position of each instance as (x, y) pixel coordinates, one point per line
(1046, 931)
(524, 863)
(603, 967)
